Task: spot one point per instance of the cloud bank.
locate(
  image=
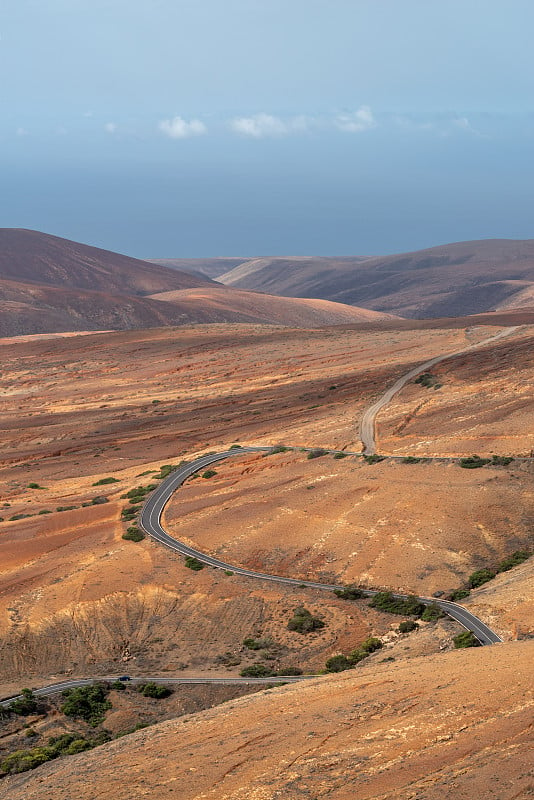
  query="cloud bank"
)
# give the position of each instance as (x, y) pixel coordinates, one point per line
(179, 128)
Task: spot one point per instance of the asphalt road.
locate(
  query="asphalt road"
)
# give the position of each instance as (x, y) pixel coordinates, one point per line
(367, 425)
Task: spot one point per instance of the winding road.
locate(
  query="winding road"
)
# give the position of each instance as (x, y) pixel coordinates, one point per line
(150, 521)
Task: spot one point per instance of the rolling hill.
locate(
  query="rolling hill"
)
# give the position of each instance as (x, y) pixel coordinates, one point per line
(445, 281)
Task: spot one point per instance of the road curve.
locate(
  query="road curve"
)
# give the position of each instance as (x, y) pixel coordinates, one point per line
(150, 521)
(367, 424)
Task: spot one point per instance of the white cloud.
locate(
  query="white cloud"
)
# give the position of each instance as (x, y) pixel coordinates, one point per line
(263, 125)
(178, 128)
(357, 121)
(22, 132)
(110, 127)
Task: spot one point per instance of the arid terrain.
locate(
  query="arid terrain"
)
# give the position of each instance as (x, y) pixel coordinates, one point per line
(448, 280)
(77, 599)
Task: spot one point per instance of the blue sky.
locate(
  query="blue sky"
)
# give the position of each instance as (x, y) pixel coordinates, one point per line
(247, 127)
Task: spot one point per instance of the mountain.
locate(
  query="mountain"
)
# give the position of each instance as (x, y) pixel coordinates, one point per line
(38, 258)
(445, 281)
(233, 305)
(210, 267)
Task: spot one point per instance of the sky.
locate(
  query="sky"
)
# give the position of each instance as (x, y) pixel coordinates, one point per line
(191, 128)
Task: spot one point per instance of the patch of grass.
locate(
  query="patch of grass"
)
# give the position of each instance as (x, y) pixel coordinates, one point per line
(193, 563)
(105, 481)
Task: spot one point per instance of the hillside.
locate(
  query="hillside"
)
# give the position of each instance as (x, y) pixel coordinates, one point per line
(449, 280)
(459, 721)
(210, 267)
(37, 258)
(240, 306)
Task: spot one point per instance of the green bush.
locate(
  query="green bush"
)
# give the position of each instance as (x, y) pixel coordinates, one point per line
(349, 593)
(118, 686)
(22, 516)
(410, 606)
(25, 705)
(459, 594)
(374, 458)
(407, 626)
(338, 663)
(154, 690)
(65, 508)
(44, 511)
(209, 473)
(105, 481)
(341, 455)
(481, 576)
(257, 644)
(34, 485)
(466, 639)
(473, 462)
(410, 460)
(303, 621)
(193, 563)
(257, 671)
(501, 461)
(428, 380)
(278, 448)
(89, 703)
(165, 471)
(287, 671)
(133, 534)
(317, 452)
(512, 561)
(432, 613)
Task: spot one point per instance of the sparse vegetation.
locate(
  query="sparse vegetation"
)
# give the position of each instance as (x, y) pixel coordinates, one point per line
(257, 644)
(105, 481)
(303, 621)
(512, 561)
(34, 485)
(65, 508)
(428, 380)
(67, 744)
(257, 671)
(466, 639)
(25, 705)
(459, 594)
(193, 563)
(411, 460)
(340, 662)
(340, 455)
(432, 613)
(209, 473)
(278, 448)
(501, 461)
(481, 576)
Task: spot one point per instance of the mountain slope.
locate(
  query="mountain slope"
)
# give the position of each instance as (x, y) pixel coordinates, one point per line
(416, 728)
(240, 306)
(449, 280)
(33, 257)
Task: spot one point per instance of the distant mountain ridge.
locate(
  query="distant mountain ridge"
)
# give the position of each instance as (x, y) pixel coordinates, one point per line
(49, 284)
(445, 281)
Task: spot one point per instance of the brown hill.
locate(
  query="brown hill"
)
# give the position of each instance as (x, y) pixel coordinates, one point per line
(33, 257)
(210, 267)
(449, 280)
(458, 724)
(234, 305)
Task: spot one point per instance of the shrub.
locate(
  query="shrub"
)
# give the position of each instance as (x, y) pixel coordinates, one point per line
(317, 452)
(154, 690)
(459, 594)
(410, 460)
(130, 512)
(341, 455)
(481, 576)
(501, 461)
(278, 448)
(33, 485)
(209, 473)
(374, 458)
(105, 481)
(236, 447)
(65, 508)
(193, 563)
(349, 593)
(89, 703)
(303, 621)
(21, 516)
(466, 639)
(473, 462)
(118, 686)
(410, 606)
(512, 561)
(44, 511)
(287, 671)
(428, 380)
(257, 671)
(25, 705)
(338, 663)
(432, 613)
(370, 644)
(133, 534)
(99, 500)
(165, 471)
(407, 626)
(257, 644)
